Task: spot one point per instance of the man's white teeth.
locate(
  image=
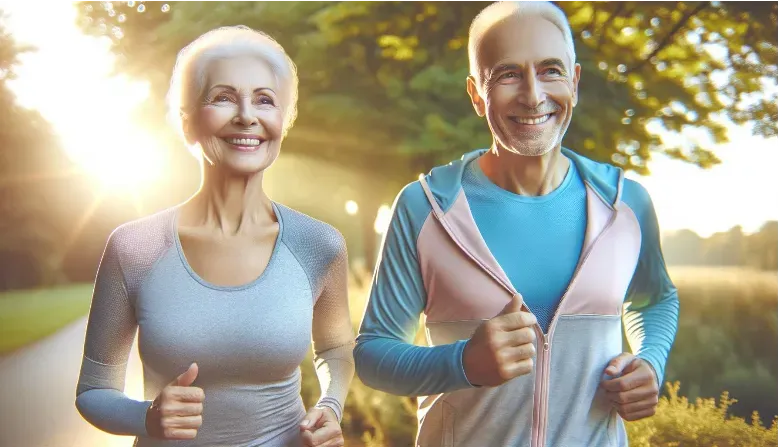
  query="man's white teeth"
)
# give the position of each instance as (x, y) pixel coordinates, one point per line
(538, 120)
(244, 141)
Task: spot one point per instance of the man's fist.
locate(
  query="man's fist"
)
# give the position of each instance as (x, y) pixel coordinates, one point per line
(501, 348)
(634, 392)
(177, 412)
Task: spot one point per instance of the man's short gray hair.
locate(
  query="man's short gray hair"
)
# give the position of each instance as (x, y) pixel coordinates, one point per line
(188, 82)
(498, 11)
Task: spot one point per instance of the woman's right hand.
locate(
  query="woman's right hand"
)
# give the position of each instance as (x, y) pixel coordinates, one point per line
(177, 412)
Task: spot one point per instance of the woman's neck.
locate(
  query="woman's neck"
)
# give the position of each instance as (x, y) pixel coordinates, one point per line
(229, 203)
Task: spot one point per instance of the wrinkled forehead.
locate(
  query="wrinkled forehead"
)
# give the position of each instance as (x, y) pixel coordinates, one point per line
(521, 41)
(241, 72)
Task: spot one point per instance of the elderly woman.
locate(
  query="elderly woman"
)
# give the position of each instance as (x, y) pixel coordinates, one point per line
(228, 289)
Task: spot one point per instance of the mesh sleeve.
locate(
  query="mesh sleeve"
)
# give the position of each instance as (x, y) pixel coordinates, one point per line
(321, 250)
(110, 333)
(129, 254)
(333, 335)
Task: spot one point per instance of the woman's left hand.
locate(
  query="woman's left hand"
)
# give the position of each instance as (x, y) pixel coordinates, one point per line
(320, 427)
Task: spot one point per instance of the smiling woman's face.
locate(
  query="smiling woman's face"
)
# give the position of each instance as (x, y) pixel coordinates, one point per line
(239, 124)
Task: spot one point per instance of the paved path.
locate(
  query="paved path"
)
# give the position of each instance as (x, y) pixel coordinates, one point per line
(37, 393)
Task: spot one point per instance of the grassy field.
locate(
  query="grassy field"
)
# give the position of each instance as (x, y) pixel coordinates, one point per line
(26, 316)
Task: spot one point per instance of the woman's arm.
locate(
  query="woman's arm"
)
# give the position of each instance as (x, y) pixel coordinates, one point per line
(332, 333)
(111, 329)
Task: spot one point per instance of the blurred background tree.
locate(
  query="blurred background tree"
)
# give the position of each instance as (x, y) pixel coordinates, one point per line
(31, 165)
(382, 84)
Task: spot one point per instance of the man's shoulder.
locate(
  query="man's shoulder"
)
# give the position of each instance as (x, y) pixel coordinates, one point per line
(637, 197)
(591, 167)
(412, 203)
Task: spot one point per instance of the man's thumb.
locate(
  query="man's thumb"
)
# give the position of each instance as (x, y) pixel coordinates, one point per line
(187, 378)
(618, 364)
(514, 306)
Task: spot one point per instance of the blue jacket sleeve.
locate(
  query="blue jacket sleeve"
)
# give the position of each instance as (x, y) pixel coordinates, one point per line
(385, 357)
(652, 305)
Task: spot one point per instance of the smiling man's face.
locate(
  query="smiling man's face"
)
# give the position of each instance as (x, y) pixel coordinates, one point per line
(528, 84)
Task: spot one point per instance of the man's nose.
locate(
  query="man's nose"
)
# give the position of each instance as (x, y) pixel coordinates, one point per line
(531, 92)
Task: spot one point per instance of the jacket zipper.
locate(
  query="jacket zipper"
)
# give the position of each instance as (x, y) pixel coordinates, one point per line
(543, 420)
(544, 359)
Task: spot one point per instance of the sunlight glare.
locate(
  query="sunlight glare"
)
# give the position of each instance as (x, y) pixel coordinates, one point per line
(351, 208)
(70, 80)
(383, 218)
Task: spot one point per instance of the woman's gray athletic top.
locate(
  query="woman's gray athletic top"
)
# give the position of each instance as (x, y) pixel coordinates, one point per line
(248, 341)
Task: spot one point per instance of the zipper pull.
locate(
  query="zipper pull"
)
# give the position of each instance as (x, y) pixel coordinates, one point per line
(546, 343)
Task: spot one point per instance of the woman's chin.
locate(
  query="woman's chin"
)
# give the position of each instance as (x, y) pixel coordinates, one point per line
(247, 166)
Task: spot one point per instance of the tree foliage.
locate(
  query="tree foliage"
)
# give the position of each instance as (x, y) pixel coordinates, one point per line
(28, 160)
(731, 248)
(383, 83)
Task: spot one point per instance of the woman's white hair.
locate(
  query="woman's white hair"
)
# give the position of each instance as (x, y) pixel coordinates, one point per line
(499, 11)
(188, 82)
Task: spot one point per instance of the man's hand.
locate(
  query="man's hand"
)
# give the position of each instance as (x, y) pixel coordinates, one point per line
(501, 348)
(634, 392)
(320, 427)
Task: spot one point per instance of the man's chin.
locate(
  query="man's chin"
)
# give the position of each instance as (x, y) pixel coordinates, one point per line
(530, 149)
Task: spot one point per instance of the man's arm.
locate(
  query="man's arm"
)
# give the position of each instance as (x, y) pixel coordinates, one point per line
(385, 357)
(652, 304)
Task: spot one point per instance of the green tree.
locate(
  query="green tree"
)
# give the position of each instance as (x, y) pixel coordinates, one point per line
(30, 160)
(383, 83)
(761, 247)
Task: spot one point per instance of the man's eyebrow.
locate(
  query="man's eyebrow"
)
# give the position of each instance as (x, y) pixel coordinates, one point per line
(505, 67)
(552, 61)
(548, 62)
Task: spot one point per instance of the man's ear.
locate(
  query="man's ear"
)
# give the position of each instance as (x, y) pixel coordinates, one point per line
(476, 99)
(577, 72)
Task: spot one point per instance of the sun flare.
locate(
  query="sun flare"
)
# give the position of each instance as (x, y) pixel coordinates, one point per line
(70, 80)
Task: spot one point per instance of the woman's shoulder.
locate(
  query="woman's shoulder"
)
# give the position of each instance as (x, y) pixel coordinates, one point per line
(148, 234)
(309, 235)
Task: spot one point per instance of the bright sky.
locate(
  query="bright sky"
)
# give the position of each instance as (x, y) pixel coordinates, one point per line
(68, 80)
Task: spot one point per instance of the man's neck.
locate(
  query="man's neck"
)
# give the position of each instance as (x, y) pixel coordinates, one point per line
(525, 175)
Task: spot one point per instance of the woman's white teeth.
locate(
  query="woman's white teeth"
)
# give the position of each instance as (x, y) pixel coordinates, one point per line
(538, 120)
(243, 141)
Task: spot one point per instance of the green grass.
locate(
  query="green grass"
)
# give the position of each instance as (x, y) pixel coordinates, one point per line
(27, 316)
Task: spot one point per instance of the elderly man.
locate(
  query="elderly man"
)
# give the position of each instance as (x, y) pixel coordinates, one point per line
(526, 259)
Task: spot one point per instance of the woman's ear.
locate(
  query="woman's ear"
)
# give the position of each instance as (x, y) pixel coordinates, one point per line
(188, 128)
